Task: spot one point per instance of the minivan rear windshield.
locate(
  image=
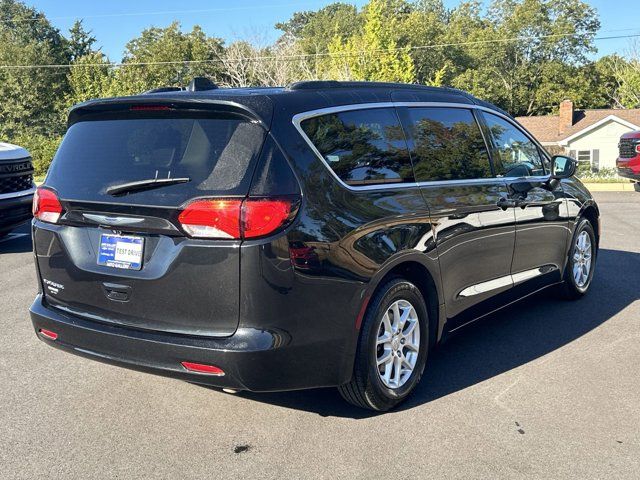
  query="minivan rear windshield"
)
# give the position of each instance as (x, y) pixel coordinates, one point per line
(216, 155)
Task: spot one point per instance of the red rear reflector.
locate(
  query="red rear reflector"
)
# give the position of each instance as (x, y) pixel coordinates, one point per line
(235, 218)
(48, 334)
(150, 108)
(46, 206)
(201, 368)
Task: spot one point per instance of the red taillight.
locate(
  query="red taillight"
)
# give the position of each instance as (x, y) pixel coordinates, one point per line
(202, 368)
(235, 218)
(48, 334)
(263, 216)
(212, 218)
(638, 148)
(46, 206)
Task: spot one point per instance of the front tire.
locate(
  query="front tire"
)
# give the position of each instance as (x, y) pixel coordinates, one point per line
(392, 349)
(581, 263)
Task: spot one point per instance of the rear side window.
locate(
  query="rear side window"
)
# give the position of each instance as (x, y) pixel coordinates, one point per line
(447, 144)
(216, 154)
(362, 147)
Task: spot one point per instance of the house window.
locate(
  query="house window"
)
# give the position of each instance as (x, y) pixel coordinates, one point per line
(588, 159)
(584, 156)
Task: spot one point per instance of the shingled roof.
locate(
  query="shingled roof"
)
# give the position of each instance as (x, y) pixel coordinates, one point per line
(547, 128)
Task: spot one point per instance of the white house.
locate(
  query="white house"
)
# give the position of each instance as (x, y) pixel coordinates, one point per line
(587, 135)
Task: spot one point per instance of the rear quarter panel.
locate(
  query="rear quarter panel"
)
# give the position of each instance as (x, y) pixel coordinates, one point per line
(314, 282)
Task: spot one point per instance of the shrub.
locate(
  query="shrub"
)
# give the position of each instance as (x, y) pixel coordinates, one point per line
(41, 148)
(604, 175)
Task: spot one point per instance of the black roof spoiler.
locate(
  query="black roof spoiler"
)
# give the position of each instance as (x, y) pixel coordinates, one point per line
(175, 102)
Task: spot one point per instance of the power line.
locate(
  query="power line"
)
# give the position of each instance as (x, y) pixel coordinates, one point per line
(310, 55)
(161, 12)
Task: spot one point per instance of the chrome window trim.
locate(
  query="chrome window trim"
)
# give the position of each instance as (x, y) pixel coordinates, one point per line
(300, 117)
(21, 194)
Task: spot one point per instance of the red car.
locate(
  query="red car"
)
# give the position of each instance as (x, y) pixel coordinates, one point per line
(628, 162)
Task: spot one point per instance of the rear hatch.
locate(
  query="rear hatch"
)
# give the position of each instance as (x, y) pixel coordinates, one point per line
(122, 176)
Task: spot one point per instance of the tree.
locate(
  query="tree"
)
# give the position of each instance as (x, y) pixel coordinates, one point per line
(542, 42)
(31, 99)
(313, 31)
(626, 75)
(373, 54)
(245, 64)
(80, 41)
(424, 25)
(91, 77)
(150, 59)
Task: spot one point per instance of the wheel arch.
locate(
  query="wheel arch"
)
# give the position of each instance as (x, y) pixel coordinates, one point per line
(591, 213)
(415, 271)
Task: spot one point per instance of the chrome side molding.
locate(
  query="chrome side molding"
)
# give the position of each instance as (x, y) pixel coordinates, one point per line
(506, 281)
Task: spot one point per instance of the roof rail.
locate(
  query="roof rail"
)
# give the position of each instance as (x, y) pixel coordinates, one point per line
(163, 89)
(323, 84)
(199, 84)
(314, 84)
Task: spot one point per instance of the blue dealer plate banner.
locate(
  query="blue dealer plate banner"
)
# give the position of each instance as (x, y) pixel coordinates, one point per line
(121, 251)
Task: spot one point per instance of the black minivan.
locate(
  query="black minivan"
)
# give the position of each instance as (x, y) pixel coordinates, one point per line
(323, 234)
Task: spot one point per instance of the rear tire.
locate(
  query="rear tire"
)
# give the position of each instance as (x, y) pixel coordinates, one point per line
(578, 274)
(387, 341)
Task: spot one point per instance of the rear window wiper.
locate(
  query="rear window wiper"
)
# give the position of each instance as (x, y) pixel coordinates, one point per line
(140, 185)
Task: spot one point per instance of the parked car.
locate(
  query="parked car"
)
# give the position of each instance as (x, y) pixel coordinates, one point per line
(16, 187)
(628, 163)
(323, 234)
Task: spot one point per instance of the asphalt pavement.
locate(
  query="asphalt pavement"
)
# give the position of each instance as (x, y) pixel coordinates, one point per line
(543, 389)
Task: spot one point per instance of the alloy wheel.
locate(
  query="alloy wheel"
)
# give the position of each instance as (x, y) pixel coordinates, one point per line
(582, 258)
(398, 344)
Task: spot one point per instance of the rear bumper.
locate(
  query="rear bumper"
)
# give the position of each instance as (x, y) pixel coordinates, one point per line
(15, 210)
(252, 359)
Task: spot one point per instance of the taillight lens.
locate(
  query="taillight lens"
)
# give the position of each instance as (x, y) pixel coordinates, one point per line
(46, 206)
(264, 216)
(235, 218)
(212, 218)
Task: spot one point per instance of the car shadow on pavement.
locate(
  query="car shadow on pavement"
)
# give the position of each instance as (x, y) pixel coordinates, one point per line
(499, 342)
(18, 241)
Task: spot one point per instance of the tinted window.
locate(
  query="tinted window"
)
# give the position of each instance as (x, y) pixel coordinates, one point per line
(516, 155)
(363, 146)
(215, 154)
(447, 144)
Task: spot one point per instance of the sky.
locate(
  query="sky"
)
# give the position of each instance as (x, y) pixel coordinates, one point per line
(116, 22)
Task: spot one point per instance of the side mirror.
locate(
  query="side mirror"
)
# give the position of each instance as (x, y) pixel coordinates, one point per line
(563, 167)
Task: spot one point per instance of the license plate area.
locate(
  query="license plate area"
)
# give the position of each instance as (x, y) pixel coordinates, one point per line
(121, 251)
